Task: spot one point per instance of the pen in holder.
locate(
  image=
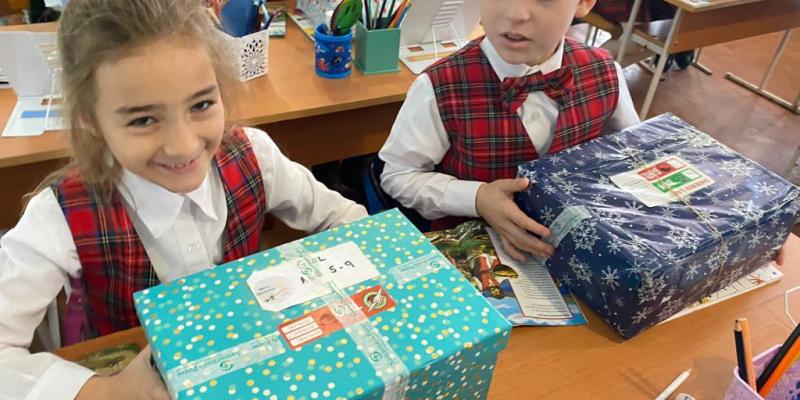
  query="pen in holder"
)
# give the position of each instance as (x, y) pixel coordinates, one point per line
(377, 50)
(332, 53)
(788, 387)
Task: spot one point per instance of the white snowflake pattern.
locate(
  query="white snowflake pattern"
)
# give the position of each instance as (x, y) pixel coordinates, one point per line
(548, 188)
(547, 215)
(779, 239)
(667, 212)
(755, 239)
(580, 162)
(530, 175)
(693, 270)
(731, 186)
(704, 215)
(632, 163)
(613, 246)
(718, 258)
(562, 173)
(604, 180)
(611, 217)
(635, 207)
(651, 288)
(598, 198)
(739, 227)
(565, 279)
(747, 209)
(585, 235)
(569, 188)
(793, 208)
(619, 302)
(599, 155)
(649, 225)
(672, 307)
(580, 269)
(698, 139)
(637, 245)
(774, 221)
(683, 238)
(766, 189)
(638, 269)
(642, 315)
(555, 160)
(702, 158)
(670, 258)
(716, 200)
(737, 167)
(610, 277)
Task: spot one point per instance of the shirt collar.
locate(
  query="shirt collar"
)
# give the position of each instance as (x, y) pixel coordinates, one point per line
(504, 69)
(157, 207)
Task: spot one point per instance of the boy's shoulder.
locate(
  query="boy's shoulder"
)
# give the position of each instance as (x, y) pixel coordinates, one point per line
(578, 53)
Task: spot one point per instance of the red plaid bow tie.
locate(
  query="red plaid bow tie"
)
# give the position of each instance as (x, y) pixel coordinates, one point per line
(556, 85)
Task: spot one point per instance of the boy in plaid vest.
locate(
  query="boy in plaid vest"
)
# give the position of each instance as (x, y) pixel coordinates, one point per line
(521, 91)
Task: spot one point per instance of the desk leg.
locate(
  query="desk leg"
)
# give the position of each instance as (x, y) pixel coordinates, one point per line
(627, 31)
(701, 67)
(662, 61)
(764, 79)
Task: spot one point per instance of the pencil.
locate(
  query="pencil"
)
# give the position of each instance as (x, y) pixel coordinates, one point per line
(737, 336)
(367, 14)
(380, 15)
(389, 16)
(748, 352)
(396, 16)
(773, 363)
(784, 365)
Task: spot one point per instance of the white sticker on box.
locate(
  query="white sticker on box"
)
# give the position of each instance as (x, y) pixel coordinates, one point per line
(284, 285)
(662, 181)
(564, 223)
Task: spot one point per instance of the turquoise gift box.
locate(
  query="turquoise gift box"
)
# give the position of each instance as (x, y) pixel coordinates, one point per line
(367, 310)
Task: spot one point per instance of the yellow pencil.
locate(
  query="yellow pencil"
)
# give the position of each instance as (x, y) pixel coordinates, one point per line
(748, 353)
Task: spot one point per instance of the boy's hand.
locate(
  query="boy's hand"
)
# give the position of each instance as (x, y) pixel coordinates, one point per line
(138, 381)
(495, 203)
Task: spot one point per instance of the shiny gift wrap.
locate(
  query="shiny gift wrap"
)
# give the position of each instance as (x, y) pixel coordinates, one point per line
(653, 218)
(368, 310)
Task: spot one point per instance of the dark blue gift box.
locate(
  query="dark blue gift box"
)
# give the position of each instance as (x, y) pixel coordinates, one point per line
(721, 217)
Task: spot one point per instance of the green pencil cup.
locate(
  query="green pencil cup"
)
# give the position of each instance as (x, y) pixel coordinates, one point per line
(377, 50)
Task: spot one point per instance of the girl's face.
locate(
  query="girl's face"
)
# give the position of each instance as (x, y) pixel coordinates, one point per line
(160, 112)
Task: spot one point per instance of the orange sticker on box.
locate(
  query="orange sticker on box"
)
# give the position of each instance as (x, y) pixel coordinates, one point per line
(322, 322)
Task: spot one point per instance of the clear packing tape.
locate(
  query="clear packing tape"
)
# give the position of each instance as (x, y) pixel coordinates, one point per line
(387, 364)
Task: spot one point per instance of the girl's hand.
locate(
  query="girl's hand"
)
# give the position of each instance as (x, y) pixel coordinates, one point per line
(495, 203)
(138, 381)
(781, 257)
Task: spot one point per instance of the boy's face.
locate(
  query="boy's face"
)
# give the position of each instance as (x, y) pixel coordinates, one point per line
(528, 31)
(160, 112)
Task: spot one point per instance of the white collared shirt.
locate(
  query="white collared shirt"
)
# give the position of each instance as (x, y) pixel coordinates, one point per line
(182, 234)
(418, 140)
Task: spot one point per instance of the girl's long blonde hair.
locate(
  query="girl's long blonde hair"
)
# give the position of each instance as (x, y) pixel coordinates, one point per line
(93, 32)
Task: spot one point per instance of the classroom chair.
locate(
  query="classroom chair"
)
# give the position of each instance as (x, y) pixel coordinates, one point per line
(378, 200)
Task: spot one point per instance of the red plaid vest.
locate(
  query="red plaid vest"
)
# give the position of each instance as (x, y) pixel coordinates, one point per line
(113, 259)
(487, 140)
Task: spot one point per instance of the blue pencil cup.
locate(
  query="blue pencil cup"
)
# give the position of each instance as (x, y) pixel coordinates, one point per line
(332, 54)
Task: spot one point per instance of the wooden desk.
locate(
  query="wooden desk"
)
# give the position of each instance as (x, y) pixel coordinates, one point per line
(592, 362)
(697, 25)
(313, 120)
